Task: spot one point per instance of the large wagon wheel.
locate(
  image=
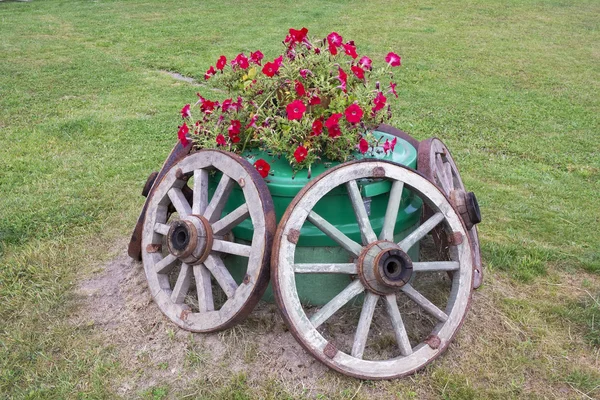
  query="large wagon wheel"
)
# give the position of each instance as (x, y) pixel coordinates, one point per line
(411, 309)
(184, 252)
(436, 163)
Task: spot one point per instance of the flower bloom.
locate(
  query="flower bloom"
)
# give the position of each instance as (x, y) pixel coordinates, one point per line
(353, 114)
(343, 77)
(393, 59)
(235, 127)
(208, 106)
(365, 63)
(226, 105)
(240, 60)
(299, 88)
(393, 89)
(389, 146)
(270, 69)
(317, 127)
(252, 123)
(334, 40)
(379, 102)
(298, 36)
(221, 62)
(300, 154)
(332, 125)
(295, 110)
(304, 73)
(350, 50)
(181, 134)
(278, 61)
(221, 140)
(334, 131)
(211, 71)
(256, 57)
(185, 111)
(262, 167)
(314, 100)
(363, 146)
(358, 72)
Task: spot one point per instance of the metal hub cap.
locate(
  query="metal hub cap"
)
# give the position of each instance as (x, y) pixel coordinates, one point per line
(190, 239)
(384, 268)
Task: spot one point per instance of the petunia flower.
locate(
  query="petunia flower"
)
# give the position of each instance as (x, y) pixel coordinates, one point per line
(295, 110)
(262, 167)
(270, 69)
(334, 131)
(185, 111)
(304, 73)
(335, 39)
(365, 63)
(317, 127)
(226, 106)
(353, 113)
(334, 119)
(181, 134)
(241, 61)
(298, 36)
(221, 140)
(379, 102)
(300, 154)
(393, 59)
(211, 71)
(256, 57)
(208, 106)
(314, 100)
(358, 72)
(350, 50)
(363, 146)
(252, 123)
(343, 77)
(389, 146)
(300, 91)
(235, 127)
(221, 62)
(278, 61)
(393, 89)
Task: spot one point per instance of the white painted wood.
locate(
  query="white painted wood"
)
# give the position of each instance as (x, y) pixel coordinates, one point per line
(163, 229)
(436, 266)
(391, 213)
(179, 202)
(219, 200)
(334, 233)
(231, 220)
(224, 246)
(203, 288)
(200, 201)
(351, 291)
(364, 324)
(398, 325)
(182, 286)
(165, 265)
(222, 276)
(348, 268)
(366, 231)
(421, 231)
(422, 301)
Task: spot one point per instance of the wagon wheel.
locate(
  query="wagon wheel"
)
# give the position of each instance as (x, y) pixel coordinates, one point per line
(411, 310)
(184, 252)
(436, 163)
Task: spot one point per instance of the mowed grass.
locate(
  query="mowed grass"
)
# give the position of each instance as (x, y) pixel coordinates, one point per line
(86, 112)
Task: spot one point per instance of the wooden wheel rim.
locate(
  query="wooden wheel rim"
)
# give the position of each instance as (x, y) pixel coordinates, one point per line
(242, 298)
(283, 274)
(447, 177)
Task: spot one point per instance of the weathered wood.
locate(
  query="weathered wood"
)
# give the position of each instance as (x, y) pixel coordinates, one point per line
(179, 202)
(222, 276)
(203, 288)
(334, 233)
(391, 213)
(421, 231)
(231, 220)
(219, 200)
(422, 301)
(366, 230)
(436, 266)
(224, 246)
(200, 201)
(340, 268)
(337, 302)
(364, 324)
(398, 325)
(182, 286)
(165, 265)
(163, 229)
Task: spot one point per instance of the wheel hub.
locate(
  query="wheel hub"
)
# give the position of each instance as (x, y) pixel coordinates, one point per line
(383, 267)
(467, 206)
(190, 239)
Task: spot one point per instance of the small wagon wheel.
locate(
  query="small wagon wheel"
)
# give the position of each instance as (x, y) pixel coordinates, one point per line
(411, 309)
(436, 163)
(184, 252)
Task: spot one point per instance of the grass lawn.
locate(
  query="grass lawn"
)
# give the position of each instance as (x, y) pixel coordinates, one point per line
(87, 111)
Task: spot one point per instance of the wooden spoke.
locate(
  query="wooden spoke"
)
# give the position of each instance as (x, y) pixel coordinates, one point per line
(424, 303)
(366, 231)
(224, 246)
(231, 220)
(182, 285)
(399, 329)
(391, 213)
(204, 288)
(200, 201)
(163, 229)
(436, 266)
(179, 202)
(421, 231)
(222, 276)
(348, 268)
(217, 203)
(337, 302)
(165, 265)
(334, 233)
(449, 175)
(443, 178)
(364, 324)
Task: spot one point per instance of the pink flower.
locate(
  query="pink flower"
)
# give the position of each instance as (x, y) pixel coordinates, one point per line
(221, 62)
(295, 110)
(393, 89)
(304, 73)
(211, 71)
(185, 111)
(332, 49)
(181, 134)
(353, 114)
(221, 140)
(298, 35)
(237, 106)
(350, 49)
(208, 106)
(252, 123)
(393, 59)
(235, 127)
(300, 88)
(270, 69)
(317, 127)
(262, 167)
(314, 100)
(363, 146)
(256, 57)
(358, 72)
(365, 63)
(241, 60)
(278, 61)
(300, 154)
(387, 146)
(343, 78)
(334, 131)
(333, 120)
(226, 106)
(334, 39)
(379, 102)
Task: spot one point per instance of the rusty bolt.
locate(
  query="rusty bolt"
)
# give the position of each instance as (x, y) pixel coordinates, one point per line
(433, 341)
(154, 248)
(242, 182)
(246, 279)
(379, 172)
(455, 239)
(179, 174)
(293, 236)
(330, 350)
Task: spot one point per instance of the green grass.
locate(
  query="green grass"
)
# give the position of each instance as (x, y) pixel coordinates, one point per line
(86, 113)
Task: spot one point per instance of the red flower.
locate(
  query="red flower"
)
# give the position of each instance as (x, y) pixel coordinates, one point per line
(354, 113)
(181, 134)
(363, 146)
(300, 89)
(262, 167)
(278, 61)
(358, 71)
(393, 89)
(208, 106)
(350, 50)
(185, 111)
(235, 127)
(387, 146)
(237, 106)
(300, 154)
(298, 35)
(295, 110)
(226, 105)
(334, 39)
(393, 59)
(211, 71)
(256, 57)
(379, 102)
(365, 63)
(241, 60)
(343, 78)
(317, 127)
(221, 62)
(252, 123)
(333, 120)
(314, 100)
(332, 49)
(334, 131)
(221, 140)
(304, 73)
(270, 69)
